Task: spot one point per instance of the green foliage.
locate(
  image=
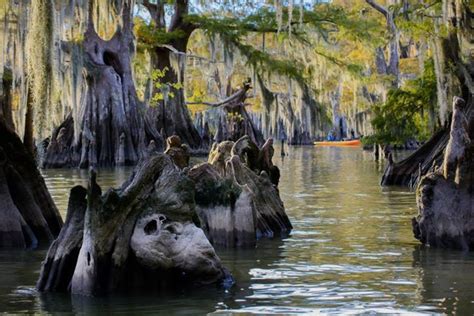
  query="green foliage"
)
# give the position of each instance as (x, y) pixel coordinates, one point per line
(149, 36)
(324, 20)
(419, 20)
(266, 63)
(405, 114)
(234, 30)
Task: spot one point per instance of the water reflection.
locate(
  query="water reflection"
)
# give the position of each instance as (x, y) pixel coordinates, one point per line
(60, 182)
(351, 250)
(444, 279)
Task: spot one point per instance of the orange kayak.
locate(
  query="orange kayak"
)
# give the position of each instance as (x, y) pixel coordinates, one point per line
(343, 143)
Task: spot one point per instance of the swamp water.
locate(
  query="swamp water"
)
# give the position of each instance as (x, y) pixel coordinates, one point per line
(351, 251)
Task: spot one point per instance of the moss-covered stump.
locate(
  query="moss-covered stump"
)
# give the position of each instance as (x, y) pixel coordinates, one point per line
(237, 201)
(445, 197)
(28, 216)
(139, 237)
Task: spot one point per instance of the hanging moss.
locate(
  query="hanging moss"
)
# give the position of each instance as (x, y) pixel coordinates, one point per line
(39, 64)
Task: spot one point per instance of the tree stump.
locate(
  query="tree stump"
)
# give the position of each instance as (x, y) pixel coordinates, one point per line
(28, 216)
(237, 201)
(445, 196)
(178, 152)
(409, 171)
(139, 237)
(232, 120)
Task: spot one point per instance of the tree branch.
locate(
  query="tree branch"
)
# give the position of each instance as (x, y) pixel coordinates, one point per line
(174, 50)
(90, 17)
(151, 7)
(157, 12)
(237, 98)
(378, 7)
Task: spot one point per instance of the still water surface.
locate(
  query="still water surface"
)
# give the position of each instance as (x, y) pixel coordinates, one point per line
(351, 251)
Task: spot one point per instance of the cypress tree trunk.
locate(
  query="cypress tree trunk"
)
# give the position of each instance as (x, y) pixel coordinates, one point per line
(392, 67)
(114, 127)
(171, 115)
(28, 138)
(445, 196)
(28, 216)
(6, 99)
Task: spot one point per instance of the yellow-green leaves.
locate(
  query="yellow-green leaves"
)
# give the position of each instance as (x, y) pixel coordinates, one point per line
(166, 89)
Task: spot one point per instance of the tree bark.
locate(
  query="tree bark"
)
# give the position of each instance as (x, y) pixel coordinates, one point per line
(392, 68)
(171, 115)
(6, 99)
(445, 196)
(28, 138)
(409, 171)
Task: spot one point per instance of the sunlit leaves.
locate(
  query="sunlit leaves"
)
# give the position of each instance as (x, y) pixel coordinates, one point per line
(166, 89)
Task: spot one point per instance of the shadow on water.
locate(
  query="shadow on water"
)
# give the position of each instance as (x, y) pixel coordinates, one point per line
(351, 250)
